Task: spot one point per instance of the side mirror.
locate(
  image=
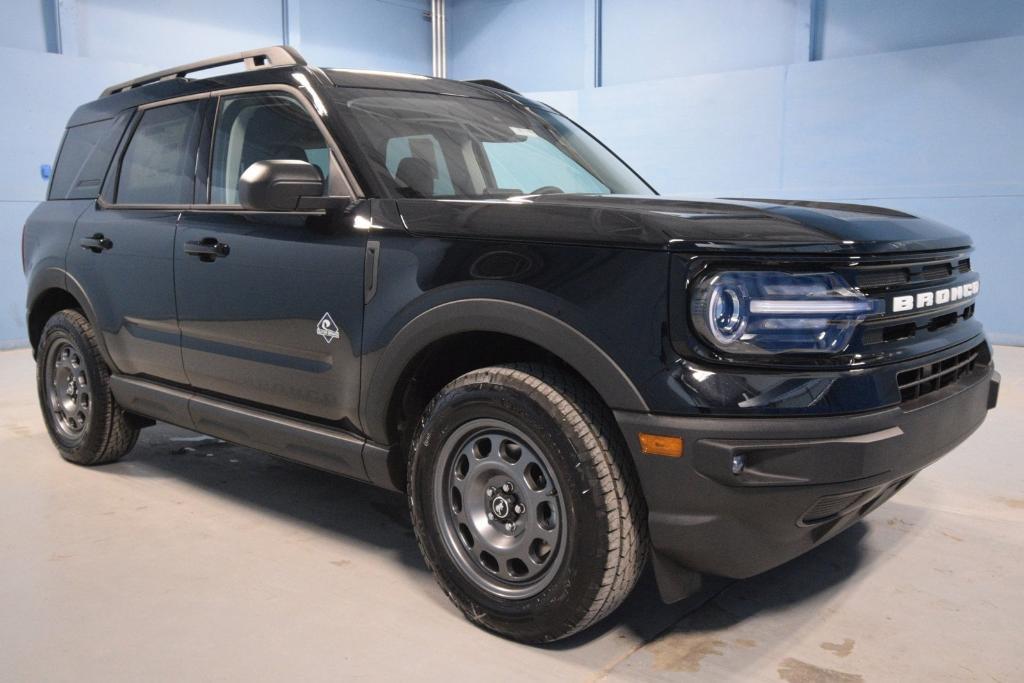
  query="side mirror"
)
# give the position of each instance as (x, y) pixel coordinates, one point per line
(284, 185)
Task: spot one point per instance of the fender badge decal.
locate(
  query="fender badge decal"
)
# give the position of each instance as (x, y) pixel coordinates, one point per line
(327, 328)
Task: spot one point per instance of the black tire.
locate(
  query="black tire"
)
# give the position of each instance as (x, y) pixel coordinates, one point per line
(99, 432)
(604, 544)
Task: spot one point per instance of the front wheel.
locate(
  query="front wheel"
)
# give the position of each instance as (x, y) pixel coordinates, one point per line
(524, 504)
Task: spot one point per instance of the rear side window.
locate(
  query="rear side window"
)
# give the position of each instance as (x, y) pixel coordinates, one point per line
(158, 166)
(79, 172)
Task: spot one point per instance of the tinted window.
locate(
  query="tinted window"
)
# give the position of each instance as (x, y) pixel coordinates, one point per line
(79, 145)
(159, 164)
(424, 145)
(533, 162)
(257, 127)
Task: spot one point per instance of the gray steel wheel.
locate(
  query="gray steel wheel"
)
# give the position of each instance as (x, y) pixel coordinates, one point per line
(528, 446)
(73, 382)
(499, 508)
(68, 391)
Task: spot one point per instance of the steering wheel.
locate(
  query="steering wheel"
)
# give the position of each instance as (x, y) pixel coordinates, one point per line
(548, 189)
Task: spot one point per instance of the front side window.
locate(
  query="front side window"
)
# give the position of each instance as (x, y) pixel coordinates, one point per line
(158, 166)
(258, 127)
(435, 146)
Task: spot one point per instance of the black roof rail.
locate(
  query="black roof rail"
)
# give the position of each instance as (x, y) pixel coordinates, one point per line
(276, 55)
(493, 84)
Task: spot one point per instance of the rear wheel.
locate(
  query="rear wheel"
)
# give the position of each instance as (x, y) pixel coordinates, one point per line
(84, 421)
(523, 502)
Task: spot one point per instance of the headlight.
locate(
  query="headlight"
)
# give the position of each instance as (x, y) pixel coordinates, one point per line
(748, 312)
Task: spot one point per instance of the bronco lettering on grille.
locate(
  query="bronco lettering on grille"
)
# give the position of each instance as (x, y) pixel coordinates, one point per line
(937, 297)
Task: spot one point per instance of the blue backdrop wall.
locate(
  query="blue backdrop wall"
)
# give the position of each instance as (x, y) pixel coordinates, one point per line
(109, 41)
(915, 105)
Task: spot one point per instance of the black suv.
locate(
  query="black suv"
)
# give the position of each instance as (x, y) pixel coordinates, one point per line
(450, 290)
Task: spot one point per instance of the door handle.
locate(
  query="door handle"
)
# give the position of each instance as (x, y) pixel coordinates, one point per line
(207, 249)
(96, 243)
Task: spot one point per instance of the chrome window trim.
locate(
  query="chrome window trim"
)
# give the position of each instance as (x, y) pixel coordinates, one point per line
(117, 163)
(203, 208)
(338, 160)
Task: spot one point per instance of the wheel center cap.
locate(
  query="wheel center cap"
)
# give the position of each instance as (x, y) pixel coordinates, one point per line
(501, 507)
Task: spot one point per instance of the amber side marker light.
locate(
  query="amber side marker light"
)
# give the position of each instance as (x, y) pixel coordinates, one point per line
(657, 444)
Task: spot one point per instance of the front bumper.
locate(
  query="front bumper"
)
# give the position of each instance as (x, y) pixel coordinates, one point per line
(751, 493)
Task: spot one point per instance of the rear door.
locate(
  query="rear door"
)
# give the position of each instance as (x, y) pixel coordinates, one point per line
(275, 317)
(122, 252)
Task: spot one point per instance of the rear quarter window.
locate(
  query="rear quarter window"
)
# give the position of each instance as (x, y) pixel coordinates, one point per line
(80, 169)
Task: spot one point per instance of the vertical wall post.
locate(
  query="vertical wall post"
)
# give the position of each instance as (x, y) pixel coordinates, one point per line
(598, 42)
(807, 31)
(592, 44)
(290, 29)
(439, 39)
(67, 27)
(802, 31)
(817, 28)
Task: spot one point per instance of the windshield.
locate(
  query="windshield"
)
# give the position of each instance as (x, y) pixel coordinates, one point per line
(437, 146)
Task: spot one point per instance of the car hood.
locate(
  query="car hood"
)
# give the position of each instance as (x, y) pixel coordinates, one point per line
(768, 225)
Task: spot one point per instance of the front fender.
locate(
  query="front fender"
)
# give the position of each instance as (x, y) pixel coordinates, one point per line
(491, 315)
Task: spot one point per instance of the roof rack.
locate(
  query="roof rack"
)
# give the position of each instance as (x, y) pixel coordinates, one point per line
(487, 82)
(277, 55)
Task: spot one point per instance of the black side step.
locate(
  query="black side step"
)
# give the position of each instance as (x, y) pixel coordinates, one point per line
(333, 450)
(156, 401)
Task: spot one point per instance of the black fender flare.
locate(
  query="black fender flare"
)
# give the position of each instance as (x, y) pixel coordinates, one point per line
(41, 282)
(59, 279)
(499, 316)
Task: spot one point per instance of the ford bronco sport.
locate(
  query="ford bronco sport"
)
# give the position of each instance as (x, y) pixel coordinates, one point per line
(447, 289)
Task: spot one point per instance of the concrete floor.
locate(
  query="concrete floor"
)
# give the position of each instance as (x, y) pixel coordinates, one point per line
(197, 560)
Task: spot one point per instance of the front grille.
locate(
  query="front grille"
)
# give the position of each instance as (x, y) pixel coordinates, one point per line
(937, 271)
(925, 379)
(883, 281)
(881, 333)
(882, 277)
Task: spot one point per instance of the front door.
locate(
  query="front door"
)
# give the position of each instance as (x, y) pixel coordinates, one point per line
(273, 316)
(122, 252)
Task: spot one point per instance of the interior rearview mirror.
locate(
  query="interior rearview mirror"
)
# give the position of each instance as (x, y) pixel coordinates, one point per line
(284, 185)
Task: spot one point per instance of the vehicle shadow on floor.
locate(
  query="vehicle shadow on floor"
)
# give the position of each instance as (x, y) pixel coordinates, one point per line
(358, 511)
(722, 603)
(329, 503)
